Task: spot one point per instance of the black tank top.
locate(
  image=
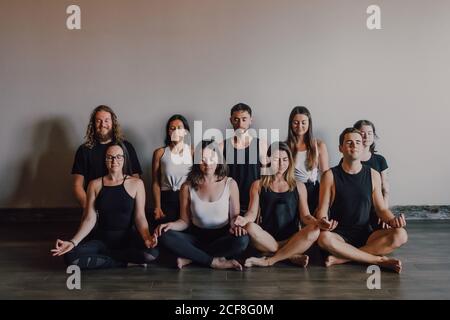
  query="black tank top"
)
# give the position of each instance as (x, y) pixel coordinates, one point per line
(115, 209)
(244, 167)
(279, 213)
(353, 197)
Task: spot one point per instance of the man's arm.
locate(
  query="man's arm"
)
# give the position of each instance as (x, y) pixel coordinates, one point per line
(78, 189)
(381, 208)
(325, 201)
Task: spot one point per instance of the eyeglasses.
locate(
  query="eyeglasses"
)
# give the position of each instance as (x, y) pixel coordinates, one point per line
(119, 157)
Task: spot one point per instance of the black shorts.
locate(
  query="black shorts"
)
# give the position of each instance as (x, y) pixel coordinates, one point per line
(356, 236)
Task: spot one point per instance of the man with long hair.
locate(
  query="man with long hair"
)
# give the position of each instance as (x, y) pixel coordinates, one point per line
(89, 163)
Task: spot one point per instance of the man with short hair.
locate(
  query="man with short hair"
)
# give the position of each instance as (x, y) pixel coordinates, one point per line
(347, 192)
(244, 153)
(89, 163)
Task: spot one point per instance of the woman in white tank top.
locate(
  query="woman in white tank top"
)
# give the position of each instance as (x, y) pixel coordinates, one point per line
(209, 206)
(310, 154)
(170, 167)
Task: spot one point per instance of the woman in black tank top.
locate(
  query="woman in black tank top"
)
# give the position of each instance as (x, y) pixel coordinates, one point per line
(281, 202)
(376, 161)
(107, 235)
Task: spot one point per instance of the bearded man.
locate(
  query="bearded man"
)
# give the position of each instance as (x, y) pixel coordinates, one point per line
(89, 164)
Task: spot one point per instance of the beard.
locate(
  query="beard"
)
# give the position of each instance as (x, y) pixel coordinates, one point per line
(103, 136)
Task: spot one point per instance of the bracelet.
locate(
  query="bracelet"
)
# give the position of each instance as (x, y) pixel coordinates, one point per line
(71, 241)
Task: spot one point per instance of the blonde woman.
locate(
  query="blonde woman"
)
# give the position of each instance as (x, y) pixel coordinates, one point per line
(280, 202)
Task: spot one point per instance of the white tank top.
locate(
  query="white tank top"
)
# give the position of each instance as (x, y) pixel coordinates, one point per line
(301, 173)
(211, 215)
(175, 168)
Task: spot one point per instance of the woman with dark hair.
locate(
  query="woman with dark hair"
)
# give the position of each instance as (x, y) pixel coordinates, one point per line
(280, 203)
(310, 154)
(170, 167)
(209, 205)
(374, 160)
(115, 206)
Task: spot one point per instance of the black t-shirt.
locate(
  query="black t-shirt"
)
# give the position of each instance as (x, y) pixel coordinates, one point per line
(376, 162)
(90, 163)
(244, 167)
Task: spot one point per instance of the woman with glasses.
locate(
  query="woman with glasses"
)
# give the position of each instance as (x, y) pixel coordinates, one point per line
(107, 236)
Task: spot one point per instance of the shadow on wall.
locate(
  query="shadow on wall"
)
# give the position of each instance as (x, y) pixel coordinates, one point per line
(44, 175)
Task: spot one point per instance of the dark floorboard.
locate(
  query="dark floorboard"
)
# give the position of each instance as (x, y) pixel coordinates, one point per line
(27, 271)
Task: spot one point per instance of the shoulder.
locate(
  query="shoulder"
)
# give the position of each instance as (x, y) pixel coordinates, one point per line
(256, 185)
(134, 180)
(375, 175)
(95, 184)
(327, 176)
(300, 186)
(158, 153)
(321, 145)
(379, 158)
(82, 149)
(128, 145)
(231, 182)
(135, 183)
(185, 186)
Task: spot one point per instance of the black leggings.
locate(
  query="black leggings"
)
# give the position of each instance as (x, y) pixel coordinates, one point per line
(95, 254)
(170, 205)
(312, 190)
(202, 245)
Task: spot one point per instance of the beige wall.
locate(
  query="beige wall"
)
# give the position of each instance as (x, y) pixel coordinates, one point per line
(149, 59)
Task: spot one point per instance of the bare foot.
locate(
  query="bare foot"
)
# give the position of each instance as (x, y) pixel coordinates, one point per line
(300, 260)
(182, 262)
(257, 262)
(222, 263)
(391, 264)
(332, 260)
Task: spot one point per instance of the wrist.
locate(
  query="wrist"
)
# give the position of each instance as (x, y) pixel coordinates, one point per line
(73, 242)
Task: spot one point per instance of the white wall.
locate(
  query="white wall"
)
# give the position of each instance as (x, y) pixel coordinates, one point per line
(150, 59)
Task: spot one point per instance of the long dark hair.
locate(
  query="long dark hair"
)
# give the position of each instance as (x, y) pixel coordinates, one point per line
(126, 169)
(195, 176)
(311, 151)
(358, 125)
(90, 138)
(168, 140)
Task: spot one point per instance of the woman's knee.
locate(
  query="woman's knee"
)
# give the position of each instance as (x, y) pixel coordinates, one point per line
(170, 237)
(240, 243)
(325, 239)
(312, 233)
(150, 254)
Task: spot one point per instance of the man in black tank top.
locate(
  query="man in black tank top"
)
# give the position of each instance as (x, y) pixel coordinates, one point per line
(347, 192)
(243, 153)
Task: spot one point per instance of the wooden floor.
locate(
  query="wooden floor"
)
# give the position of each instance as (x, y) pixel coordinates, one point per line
(27, 271)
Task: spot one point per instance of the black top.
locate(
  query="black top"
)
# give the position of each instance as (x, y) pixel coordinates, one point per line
(115, 209)
(244, 167)
(376, 162)
(279, 213)
(353, 197)
(90, 163)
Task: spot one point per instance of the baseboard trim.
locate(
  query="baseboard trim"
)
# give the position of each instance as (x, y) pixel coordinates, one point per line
(31, 215)
(28, 215)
